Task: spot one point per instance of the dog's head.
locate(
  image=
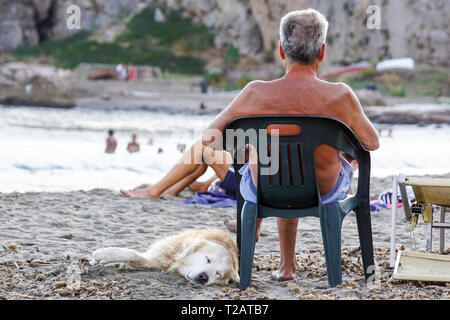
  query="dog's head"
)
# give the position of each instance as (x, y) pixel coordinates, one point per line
(208, 261)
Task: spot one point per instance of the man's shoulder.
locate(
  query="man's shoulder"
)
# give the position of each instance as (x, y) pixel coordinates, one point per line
(251, 91)
(256, 87)
(338, 87)
(340, 91)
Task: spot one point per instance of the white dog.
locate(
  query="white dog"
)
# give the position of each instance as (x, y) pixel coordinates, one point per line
(202, 256)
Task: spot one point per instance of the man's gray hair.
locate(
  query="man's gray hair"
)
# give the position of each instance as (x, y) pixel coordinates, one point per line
(302, 34)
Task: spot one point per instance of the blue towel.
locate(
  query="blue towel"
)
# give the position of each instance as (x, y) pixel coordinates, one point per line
(221, 194)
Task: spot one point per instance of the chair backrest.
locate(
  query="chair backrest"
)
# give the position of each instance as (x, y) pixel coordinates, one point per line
(294, 185)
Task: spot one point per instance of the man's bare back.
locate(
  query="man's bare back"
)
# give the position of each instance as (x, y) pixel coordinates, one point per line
(300, 92)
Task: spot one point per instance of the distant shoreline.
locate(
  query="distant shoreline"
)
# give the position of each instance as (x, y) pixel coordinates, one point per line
(398, 111)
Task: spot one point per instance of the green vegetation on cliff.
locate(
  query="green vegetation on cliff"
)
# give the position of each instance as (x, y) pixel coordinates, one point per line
(171, 45)
(176, 29)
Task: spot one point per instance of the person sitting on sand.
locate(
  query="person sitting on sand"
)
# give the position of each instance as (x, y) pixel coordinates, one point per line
(133, 146)
(111, 143)
(298, 92)
(192, 165)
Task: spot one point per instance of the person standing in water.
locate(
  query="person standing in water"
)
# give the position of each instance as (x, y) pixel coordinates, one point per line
(133, 146)
(111, 143)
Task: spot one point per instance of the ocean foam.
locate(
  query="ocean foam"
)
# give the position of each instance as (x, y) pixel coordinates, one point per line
(62, 150)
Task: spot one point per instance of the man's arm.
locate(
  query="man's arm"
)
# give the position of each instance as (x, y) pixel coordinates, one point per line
(234, 110)
(360, 124)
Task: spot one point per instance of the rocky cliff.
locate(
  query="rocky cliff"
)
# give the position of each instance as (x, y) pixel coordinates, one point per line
(415, 28)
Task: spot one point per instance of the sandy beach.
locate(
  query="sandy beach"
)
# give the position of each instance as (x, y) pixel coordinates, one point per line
(46, 240)
(106, 95)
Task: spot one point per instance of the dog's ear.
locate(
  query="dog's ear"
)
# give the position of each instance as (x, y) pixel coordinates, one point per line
(189, 249)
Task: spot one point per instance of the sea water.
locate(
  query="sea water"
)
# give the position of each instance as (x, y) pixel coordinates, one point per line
(45, 149)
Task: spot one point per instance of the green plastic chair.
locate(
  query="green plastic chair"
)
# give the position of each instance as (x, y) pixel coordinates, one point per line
(292, 192)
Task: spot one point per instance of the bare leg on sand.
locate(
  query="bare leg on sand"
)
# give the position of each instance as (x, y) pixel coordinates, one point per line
(287, 232)
(191, 166)
(198, 186)
(180, 185)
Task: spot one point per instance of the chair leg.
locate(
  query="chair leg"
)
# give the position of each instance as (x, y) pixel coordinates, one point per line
(240, 204)
(330, 225)
(365, 240)
(248, 235)
(442, 232)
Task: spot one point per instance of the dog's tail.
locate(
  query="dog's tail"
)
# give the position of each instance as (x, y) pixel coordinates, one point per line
(121, 255)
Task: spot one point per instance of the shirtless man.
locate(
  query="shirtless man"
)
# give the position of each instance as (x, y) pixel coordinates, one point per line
(298, 92)
(301, 92)
(111, 143)
(133, 146)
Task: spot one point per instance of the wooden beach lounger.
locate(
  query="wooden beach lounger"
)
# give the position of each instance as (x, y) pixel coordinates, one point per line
(428, 193)
(422, 266)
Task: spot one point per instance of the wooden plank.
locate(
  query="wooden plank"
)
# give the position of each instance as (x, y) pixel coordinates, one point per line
(428, 182)
(427, 256)
(422, 266)
(432, 191)
(437, 195)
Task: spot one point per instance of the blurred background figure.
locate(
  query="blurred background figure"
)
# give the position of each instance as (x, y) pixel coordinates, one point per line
(181, 147)
(132, 72)
(133, 146)
(121, 71)
(111, 143)
(204, 86)
(390, 133)
(150, 141)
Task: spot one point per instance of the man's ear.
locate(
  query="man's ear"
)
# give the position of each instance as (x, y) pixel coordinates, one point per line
(322, 52)
(282, 55)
